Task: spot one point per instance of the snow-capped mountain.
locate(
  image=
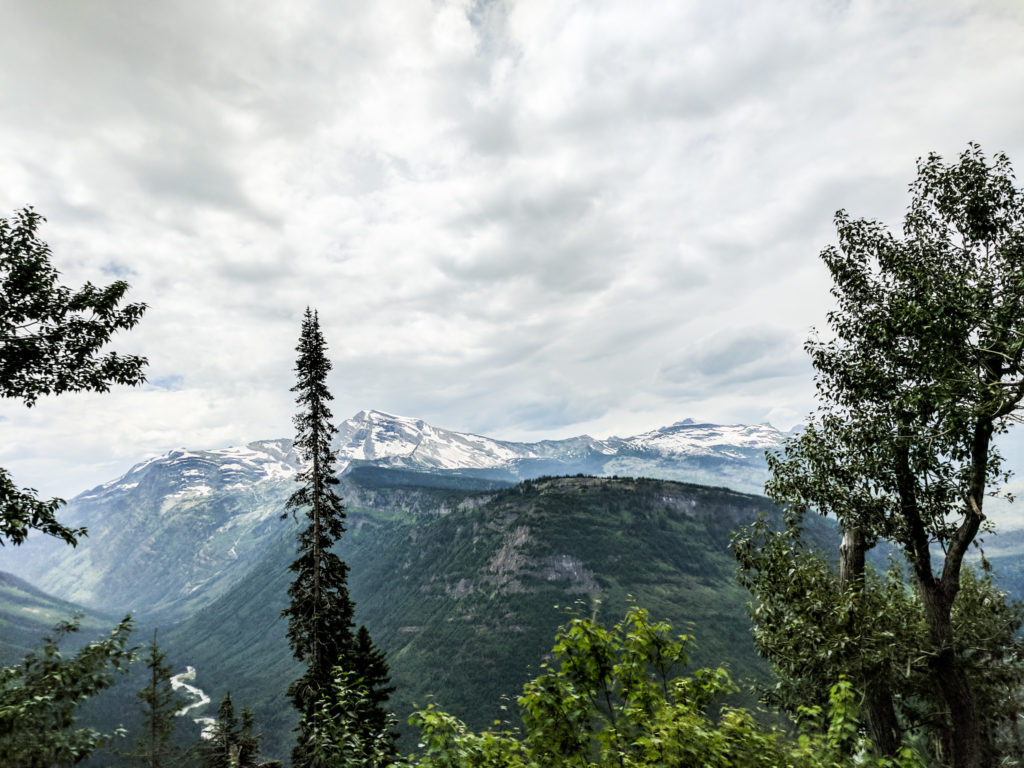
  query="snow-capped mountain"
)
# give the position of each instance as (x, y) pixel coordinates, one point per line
(688, 438)
(185, 473)
(706, 453)
(384, 438)
(191, 521)
(195, 521)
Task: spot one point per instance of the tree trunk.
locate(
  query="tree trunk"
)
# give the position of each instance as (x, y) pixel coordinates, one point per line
(851, 559)
(883, 727)
(938, 594)
(315, 662)
(964, 734)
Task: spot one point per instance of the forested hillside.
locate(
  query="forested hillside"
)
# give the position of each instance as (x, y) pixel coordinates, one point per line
(28, 613)
(464, 589)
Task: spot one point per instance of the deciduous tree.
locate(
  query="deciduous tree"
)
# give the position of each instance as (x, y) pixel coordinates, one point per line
(348, 729)
(615, 699)
(814, 628)
(923, 368)
(51, 342)
(38, 698)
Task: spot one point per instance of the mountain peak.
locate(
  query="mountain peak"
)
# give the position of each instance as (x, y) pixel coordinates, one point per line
(372, 414)
(382, 438)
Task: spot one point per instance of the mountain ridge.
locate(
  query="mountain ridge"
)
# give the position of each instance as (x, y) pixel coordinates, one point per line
(381, 436)
(226, 501)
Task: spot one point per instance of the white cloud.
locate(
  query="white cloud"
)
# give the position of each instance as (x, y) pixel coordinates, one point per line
(526, 218)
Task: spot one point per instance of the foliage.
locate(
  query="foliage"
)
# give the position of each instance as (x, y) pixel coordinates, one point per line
(987, 627)
(320, 612)
(925, 367)
(368, 668)
(812, 630)
(875, 633)
(231, 745)
(161, 704)
(345, 730)
(50, 342)
(613, 701)
(39, 696)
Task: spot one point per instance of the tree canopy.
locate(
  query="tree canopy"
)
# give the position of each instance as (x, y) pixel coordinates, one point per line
(51, 342)
(615, 698)
(38, 698)
(923, 368)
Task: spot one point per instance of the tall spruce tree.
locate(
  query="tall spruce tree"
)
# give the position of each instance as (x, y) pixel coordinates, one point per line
(320, 613)
(220, 750)
(370, 666)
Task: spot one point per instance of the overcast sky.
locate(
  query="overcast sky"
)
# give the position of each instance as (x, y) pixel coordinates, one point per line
(522, 219)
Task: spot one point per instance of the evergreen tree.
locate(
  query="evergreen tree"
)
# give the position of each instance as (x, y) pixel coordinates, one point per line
(161, 704)
(221, 749)
(232, 745)
(370, 667)
(248, 740)
(320, 612)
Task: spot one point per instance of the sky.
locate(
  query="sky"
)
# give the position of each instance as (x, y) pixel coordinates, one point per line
(520, 219)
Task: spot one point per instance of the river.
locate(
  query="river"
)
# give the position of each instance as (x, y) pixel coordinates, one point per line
(182, 682)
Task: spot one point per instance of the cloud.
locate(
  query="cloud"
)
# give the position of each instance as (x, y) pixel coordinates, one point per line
(529, 218)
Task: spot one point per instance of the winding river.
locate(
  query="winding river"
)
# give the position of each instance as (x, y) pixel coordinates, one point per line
(182, 682)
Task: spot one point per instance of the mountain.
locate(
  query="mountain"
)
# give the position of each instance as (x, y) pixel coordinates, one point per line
(465, 593)
(686, 451)
(195, 521)
(27, 614)
(386, 439)
(462, 581)
(168, 536)
(456, 571)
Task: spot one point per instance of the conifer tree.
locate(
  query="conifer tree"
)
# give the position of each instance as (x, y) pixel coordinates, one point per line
(248, 740)
(320, 612)
(221, 749)
(370, 666)
(232, 745)
(160, 711)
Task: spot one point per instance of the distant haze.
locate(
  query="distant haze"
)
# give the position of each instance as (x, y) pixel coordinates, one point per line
(524, 220)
